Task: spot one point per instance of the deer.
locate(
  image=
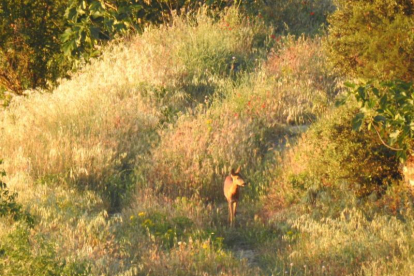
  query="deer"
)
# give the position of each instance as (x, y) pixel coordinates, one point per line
(232, 185)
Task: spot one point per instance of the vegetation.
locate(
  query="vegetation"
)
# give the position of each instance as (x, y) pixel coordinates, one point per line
(373, 39)
(119, 170)
(42, 41)
(8, 205)
(29, 44)
(387, 109)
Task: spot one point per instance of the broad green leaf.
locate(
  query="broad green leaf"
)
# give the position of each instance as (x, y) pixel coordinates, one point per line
(371, 103)
(357, 121)
(341, 101)
(94, 32)
(67, 35)
(71, 14)
(375, 91)
(361, 92)
(402, 155)
(379, 118)
(384, 101)
(96, 6)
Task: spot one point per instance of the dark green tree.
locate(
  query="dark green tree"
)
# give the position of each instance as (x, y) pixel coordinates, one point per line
(30, 53)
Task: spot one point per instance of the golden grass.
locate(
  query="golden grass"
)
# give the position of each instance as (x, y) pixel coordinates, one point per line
(102, 122)
(172, 109)
(71, 153)
(244, 121)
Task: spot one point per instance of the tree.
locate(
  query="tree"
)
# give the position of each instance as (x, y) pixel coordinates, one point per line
(30, 53)
(41, 40)
(92, 23)
(373, 39)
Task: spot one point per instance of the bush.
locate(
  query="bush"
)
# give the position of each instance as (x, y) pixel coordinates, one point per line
(295, 17)
(8, 205)
(24, 254)
(372, 39)
(331, 160)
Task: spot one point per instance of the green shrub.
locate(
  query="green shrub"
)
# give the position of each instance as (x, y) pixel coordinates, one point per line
(91, 23)
(24, 254)
(372, 39)
(8, 205)
(331, 160)
(293, 16)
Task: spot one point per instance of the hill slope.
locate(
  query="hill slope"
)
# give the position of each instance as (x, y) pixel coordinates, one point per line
(122, 166)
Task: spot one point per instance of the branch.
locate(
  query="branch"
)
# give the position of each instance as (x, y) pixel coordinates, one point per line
(383, 142)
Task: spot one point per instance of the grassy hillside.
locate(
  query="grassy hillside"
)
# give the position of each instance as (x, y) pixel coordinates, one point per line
(119, 171)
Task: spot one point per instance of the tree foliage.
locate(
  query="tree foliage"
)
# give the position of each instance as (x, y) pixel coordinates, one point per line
(41, 40)
(373, 39)
(388, 109)
(29, 43)
(92, 23)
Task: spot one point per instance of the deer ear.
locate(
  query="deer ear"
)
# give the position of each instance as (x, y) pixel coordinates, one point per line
(238, 170)
(232, 172)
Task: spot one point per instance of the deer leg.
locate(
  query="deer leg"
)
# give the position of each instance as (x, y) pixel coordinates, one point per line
(234, 211)
(230, 214)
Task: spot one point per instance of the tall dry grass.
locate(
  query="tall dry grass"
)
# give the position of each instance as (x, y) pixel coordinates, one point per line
(74, 156)
(173, 110)
(243, 121)
(353, 244)
(94, 129)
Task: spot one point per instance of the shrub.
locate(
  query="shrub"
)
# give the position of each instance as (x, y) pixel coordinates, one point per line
(24, 254)
(372, 39)
(294, 16)
(332, 159)
(8, 205)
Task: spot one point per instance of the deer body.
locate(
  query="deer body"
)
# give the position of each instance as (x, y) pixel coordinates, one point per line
(232, 185)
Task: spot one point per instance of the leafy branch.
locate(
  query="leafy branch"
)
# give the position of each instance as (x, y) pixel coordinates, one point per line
(93, 23)
(388, 109)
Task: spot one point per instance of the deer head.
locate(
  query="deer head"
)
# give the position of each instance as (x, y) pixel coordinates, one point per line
(237, 178)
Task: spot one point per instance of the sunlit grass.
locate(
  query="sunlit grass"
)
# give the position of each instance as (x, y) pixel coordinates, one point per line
(122, 166)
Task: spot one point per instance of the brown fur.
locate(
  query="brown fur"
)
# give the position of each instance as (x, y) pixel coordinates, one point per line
(231, 188)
